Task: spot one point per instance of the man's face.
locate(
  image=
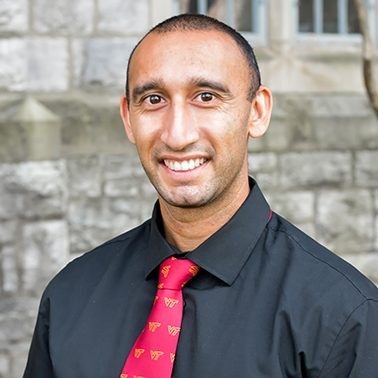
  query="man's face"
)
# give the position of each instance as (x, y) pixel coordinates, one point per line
(189, 116)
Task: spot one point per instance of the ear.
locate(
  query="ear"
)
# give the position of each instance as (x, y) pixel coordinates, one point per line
(125, 115)
(261, 110)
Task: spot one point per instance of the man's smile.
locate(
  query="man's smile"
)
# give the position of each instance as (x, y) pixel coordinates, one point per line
(184, 165)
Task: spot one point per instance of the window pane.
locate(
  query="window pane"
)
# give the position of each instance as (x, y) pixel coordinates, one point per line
(244, 18)
(306, 16)
(215, 8)
(188, 6)
(330, 16)
(237, 13)
(352, 18)
(192, 6)
(218, 9)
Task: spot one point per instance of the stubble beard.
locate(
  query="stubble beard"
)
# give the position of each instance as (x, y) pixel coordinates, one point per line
(196, 196)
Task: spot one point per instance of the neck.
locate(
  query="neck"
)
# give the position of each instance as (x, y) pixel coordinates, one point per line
(187, 228)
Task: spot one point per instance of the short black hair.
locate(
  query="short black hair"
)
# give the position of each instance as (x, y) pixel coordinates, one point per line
(191, 22)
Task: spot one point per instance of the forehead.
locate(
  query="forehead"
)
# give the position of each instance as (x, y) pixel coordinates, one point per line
(183, 54)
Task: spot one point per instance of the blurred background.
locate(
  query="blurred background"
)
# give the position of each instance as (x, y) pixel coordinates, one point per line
(69, 179)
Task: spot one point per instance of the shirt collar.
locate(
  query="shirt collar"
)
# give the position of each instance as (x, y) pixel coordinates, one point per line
(225, 252)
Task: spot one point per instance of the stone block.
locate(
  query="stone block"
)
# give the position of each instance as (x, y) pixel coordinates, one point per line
(367, 168)
(123, 17)
(34, 64)
(92, 222)
(4, 365)
(13, 64)
(309, 169)
(298, 207)
(125, 177)
(19, 354)
(129, 206)
(103, 62)
(354, 132)
(40, 188)
(146, 208)
(91, 124)
(339, 106)
(29, 131)
(108, 129)
(78, 49)
(17, 319)
(262, 162)
(122, 166)
(279, 135)
(44, 253)
(48, 66)
(65, 17)
(292, 127)
(9, 269)
(9, 204)
(13, 15)
(257, 145)
(84, 176)
(263, 167)
(126, 187)
(8, 231)
(345, 220)
(147, 191)
(9, 200)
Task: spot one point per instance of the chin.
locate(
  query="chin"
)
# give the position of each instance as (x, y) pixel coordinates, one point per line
(187, 200)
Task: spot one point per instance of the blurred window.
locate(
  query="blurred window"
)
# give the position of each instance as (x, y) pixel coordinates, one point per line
(246, 16)
(327, 17)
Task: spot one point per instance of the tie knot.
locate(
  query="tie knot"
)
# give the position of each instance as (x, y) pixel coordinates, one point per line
(175, 273)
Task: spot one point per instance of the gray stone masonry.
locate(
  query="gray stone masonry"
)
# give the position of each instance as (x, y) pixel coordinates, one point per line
(68, 17)
(121, 16)
(30, 132)
(45, 67)
(69, 180)
(55, 208)
(100, 62)
(63, 45)
(13, 16)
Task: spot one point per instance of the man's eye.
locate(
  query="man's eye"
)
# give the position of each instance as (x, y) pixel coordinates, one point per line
(154, 99)
(206, 97)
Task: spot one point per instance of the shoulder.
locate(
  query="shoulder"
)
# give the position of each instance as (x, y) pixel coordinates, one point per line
(318, 267)
(322, 295)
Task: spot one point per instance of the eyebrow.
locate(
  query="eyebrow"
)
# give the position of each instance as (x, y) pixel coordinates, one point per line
(140, 89)
(203, 82)
(195, 82)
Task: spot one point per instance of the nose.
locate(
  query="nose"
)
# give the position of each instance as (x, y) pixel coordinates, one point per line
(180, 129)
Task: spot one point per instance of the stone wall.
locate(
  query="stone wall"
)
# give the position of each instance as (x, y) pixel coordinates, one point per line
(318, 168)
(69, 179)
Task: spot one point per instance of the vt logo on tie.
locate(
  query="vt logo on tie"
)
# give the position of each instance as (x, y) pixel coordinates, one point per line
(153, 353)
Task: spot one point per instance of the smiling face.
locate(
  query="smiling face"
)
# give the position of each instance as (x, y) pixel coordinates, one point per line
(189, 116)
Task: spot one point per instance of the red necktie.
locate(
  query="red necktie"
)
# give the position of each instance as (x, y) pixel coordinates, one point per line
(153, 353)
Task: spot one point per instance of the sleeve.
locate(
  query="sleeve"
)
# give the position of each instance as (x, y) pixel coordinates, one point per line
(355, 350)
(39, 362)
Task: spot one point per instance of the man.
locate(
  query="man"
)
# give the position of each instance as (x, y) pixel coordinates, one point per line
(268, 301)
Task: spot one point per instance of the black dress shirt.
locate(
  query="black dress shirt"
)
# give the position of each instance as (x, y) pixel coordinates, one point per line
(269, 302)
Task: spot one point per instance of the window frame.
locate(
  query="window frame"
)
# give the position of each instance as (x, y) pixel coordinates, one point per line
(259, 17)
(342, 35)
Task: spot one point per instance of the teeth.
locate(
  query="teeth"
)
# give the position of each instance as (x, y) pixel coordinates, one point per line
(184, 165)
